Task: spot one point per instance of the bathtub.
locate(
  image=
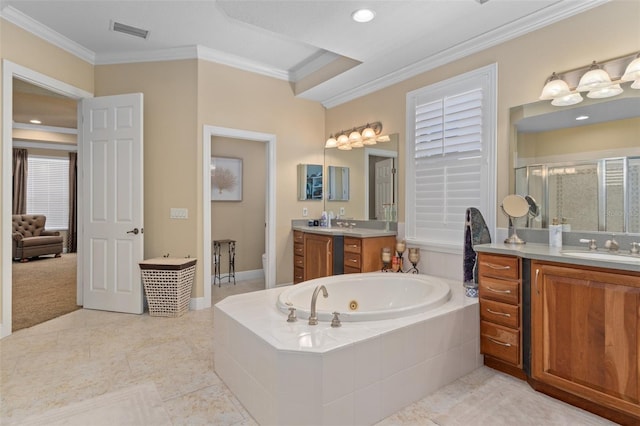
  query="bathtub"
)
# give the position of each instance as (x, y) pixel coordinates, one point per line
(367, 297)
(357, 374)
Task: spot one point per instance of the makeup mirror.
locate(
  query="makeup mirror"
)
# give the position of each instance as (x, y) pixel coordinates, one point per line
(514, 206)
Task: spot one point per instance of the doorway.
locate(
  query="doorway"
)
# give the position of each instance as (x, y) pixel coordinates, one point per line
(210, 132)
(381, 183)
(11, 71)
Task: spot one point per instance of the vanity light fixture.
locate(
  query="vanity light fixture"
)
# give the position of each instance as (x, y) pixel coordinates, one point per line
(357, 137)
(600, 80)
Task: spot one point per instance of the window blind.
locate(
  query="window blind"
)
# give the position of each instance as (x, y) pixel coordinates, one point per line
(48, 190)
(450, 158)
(448, 163)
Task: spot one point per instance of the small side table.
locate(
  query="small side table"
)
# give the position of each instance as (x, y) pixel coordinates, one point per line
(217, 254)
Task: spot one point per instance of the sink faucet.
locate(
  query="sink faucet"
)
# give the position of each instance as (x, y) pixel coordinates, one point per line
(313, 317)
(612, 244)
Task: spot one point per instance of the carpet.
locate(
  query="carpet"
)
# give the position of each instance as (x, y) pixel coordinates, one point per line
(43, 289)
(137, 405)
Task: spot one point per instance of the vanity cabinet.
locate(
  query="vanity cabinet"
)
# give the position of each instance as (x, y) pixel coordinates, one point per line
(365, 254)
(500, 296)
(586, 336)
(298, 257)
(318, 256)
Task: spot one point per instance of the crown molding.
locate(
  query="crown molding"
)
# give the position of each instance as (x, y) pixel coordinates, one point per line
(311, 65)
(157, 55)
(234, 61)
(13, 15)
(535, 21)
(49, 129)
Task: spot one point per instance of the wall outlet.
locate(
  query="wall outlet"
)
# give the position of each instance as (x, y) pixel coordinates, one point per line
(341, 211)
(305, 212)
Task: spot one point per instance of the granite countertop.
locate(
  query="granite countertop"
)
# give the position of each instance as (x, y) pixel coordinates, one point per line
(353, 232)
(535, 251)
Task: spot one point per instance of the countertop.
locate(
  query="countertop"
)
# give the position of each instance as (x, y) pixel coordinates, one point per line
(353, 232)
(555, 254)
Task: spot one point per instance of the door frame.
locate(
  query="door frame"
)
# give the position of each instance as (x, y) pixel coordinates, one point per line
(208, 132)
(374, 152)
(9, 71)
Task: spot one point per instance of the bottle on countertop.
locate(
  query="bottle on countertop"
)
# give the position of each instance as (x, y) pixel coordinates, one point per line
(323, 219)
(555, 233)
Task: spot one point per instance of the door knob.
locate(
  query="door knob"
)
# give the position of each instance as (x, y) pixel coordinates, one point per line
(134, 231)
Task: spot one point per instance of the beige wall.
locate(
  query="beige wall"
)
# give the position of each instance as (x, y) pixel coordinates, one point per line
(236, 99)
(25, 49)
(524, 63)
(170, 150)
(242, 221)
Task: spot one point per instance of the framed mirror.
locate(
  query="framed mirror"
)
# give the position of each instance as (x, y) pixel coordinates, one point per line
(581, 164)
(373, 180)
(310, 182)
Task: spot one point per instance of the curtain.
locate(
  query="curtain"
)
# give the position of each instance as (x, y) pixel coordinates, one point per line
(20, 181)
(72, 235)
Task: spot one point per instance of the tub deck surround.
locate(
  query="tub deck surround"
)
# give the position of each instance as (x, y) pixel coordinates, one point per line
(535, 251)
(294, 373)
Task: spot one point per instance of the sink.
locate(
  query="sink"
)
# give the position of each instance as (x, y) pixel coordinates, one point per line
(602, 256)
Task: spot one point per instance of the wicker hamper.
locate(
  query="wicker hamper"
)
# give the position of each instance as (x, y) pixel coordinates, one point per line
(167, 284)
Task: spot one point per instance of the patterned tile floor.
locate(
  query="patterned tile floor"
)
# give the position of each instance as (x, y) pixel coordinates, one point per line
(87, 353)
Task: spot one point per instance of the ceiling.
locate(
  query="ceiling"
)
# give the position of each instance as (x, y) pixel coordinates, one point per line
(296, 40)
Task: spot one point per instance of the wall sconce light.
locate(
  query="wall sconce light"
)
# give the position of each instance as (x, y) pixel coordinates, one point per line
(599, 80)
(357, 137)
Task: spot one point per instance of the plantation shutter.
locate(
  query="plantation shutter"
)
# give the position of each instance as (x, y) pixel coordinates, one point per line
(48, 190)
(448, 162)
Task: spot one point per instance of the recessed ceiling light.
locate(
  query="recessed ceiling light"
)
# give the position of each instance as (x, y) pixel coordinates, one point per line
(582, 117)
(34, 121)
(363, 15)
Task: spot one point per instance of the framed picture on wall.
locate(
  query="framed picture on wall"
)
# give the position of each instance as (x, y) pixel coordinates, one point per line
(226, 179)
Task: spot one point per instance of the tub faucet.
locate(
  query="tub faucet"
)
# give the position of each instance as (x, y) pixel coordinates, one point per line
(313, 317)
(612, 244)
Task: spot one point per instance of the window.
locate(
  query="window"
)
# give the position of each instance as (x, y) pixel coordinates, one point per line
(450, 158)
(48, 190)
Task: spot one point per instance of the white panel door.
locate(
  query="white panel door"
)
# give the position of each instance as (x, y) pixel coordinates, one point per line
(383, 185)
(112, 188)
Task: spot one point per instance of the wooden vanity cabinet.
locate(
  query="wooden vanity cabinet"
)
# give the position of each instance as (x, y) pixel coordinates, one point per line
(318, 256)
(500, 296)
(365, 254)
(298, 257)
(586, 337)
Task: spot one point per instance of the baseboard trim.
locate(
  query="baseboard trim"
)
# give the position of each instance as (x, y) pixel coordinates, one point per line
(242, 276)
(197, 303)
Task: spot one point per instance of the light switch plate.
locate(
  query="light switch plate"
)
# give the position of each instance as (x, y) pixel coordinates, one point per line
(305, 212)
(179, 213)
(341, 211)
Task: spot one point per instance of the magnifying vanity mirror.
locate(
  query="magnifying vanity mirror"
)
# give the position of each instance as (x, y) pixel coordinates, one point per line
(514, 206)
(580, 164)
(362, 183)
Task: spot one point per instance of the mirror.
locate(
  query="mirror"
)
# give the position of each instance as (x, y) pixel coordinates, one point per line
(337, 183)
(309, 182)
(373, 183)
(515, 206)
(585, 173)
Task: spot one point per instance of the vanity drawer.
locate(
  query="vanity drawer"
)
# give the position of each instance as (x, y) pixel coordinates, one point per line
(352, 245)
(500, 290)
(351, 270)
(298, 262)
(500, 342)
(499, 266)
(352, 260)
(298, 237)
(298, 275)
(500, 313)
(298, 249)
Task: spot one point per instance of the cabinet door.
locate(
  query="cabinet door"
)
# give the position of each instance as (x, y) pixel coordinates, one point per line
(585, 337)
(318, 257)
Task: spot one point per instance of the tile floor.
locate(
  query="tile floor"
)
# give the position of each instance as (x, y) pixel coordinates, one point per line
(89, 353)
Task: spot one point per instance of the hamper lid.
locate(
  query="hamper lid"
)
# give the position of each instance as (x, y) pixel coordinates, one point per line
(168, 263)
